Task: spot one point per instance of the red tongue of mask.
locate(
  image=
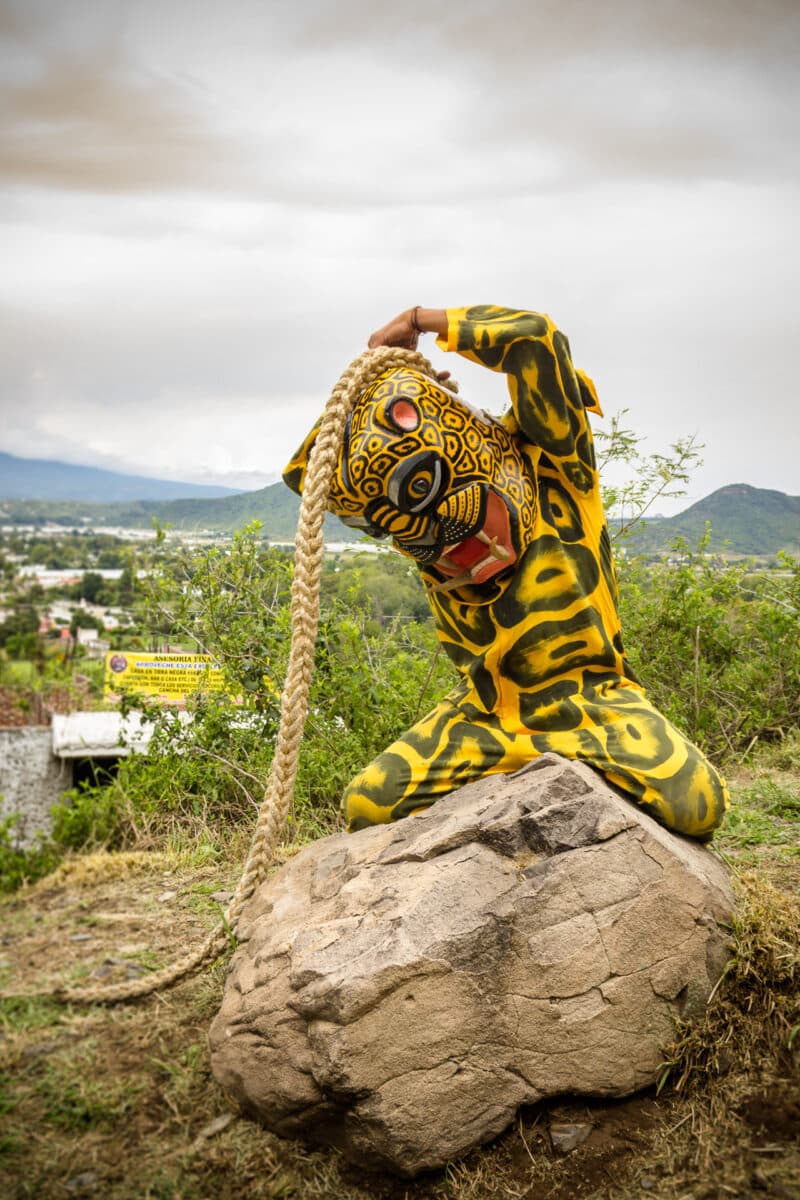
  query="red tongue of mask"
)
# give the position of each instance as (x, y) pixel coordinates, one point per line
(470, 551)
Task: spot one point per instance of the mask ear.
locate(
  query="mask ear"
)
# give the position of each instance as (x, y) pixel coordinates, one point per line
(294, 475)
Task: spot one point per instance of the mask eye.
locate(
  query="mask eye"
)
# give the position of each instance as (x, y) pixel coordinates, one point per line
(416, 483)
(424, 488)
(404, 416)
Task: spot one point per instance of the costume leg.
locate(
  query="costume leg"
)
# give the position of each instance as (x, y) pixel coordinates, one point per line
(444, 750)
(623, 736)
(607, 724)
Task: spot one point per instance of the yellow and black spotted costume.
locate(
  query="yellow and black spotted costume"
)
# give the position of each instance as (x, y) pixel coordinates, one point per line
(505, 522)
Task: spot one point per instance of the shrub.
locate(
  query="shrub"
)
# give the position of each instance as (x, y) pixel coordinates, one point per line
(18, 866)
(716, 644)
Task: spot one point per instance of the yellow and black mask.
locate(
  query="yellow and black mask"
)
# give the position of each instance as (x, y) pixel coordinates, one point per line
(447, 484)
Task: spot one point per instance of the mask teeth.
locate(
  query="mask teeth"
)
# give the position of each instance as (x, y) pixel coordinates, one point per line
(478, 566)
(495, 551)
(444, 558)
(448, 584)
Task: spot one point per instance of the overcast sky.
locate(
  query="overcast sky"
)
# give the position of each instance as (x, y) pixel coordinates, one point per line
(207, 207)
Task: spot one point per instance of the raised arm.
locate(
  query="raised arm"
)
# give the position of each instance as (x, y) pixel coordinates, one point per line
(549, 397)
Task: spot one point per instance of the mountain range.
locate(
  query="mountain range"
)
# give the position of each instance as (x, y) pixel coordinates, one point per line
(42, 479)
(38, 491)
(744, 520)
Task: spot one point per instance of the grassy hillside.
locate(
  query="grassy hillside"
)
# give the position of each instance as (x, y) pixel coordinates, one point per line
(750, 520)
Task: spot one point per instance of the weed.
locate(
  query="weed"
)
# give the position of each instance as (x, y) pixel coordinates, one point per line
(773, 799)
(147, 959)
(136, 1097)
(752, 827)
(90, 869)
(717, 647)
(763, 813)
(86, 817)
(8, 1101)
(736, 1070)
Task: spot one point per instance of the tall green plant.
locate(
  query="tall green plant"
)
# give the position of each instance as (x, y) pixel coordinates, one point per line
(227, 601)
(649, 477)
(717, 645)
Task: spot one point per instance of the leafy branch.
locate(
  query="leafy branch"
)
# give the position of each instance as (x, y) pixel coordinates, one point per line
(650, 477)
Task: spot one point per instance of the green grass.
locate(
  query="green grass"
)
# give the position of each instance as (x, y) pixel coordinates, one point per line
(148, 960)
(763, 813)
(19, 866)
(17, 673)
(74, 1102)
(21, 1014)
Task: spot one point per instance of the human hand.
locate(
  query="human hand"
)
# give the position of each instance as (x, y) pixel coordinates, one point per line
(400, 331)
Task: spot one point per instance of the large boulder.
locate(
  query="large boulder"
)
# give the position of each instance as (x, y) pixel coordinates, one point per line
(400, 992)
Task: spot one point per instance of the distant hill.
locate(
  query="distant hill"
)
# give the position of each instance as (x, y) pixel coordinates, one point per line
(41, 479)
(274, 506)
(753, 521)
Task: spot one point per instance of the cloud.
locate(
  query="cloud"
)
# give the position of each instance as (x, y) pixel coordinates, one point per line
(12, 23)
(575, 91)
(535, 31)
(238, 439)
(92, 124)
(350, 107)
(652, 120)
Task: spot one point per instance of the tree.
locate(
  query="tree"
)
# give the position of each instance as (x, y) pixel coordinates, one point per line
(22, 621)
(91, 587)
(81, 619)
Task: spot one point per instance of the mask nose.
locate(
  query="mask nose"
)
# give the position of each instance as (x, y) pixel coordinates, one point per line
(462, 512)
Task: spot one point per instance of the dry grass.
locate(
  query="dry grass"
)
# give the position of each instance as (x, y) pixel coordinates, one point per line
(753, 1016)
(119, 1103)
(86, 869)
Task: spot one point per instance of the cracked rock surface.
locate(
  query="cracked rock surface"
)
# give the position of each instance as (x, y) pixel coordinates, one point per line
(400, 992)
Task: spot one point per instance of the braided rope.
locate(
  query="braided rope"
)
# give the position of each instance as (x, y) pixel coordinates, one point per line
(294, 697)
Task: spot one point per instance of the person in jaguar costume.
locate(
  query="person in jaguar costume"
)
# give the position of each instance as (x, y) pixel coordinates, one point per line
(505, 523)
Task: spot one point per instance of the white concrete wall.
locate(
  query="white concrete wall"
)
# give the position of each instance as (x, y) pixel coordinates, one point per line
(31, 779)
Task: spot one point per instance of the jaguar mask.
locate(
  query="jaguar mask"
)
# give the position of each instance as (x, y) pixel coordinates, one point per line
(447, 484)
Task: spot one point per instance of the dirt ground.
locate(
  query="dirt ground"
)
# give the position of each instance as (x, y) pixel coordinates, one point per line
(119, 1103)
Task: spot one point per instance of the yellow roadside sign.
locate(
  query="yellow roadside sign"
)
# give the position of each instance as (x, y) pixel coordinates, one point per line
(169, 677)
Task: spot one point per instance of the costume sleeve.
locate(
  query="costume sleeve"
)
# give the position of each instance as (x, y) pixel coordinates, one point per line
(549, 398)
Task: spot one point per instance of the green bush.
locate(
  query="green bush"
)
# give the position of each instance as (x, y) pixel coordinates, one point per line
(86, 817)
(370, 684)
(18, 866)
(210, 774)
(716, 644)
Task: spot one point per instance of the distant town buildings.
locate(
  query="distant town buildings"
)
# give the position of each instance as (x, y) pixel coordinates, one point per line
(50, 577)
